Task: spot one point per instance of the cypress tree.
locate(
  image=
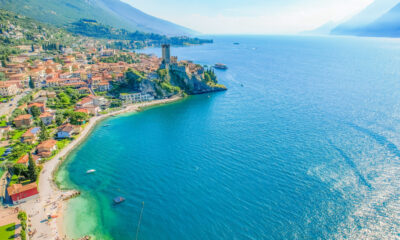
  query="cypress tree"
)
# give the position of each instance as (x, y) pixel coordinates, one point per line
(31, 83)
(44, 135)
(32, 171)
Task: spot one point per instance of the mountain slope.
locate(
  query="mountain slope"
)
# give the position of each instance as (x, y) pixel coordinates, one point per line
(324, 29)
(110, 12)
(142, 20)
(386, 26)
(370, 14)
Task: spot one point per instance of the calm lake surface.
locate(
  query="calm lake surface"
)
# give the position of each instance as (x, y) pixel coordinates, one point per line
(304, 145)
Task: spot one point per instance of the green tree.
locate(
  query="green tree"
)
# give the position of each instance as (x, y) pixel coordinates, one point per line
(44, 135)
(65, 99)
(22, 216)
(31, 83)
(35, 111)
(19, 169)
(2, 76)
(116, 103)
(32, 170)
(60, 118)
(76, 118)
(23, 234)
(133, 78)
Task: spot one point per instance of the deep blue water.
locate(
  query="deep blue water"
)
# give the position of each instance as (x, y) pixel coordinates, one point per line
(303, 145)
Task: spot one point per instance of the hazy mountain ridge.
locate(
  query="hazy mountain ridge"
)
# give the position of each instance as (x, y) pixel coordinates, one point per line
(378, 19)
(110, 12)
(387, 25)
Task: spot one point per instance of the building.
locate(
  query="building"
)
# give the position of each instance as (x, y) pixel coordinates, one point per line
(93, 104)
(47, 118)
(66, 131)
(46, 148)
(30, 135)
(42, 100)
(21, 193)
(23, 120)
(166, 54)
(36, 104)
(83, 90)
(8, 89)
(136, 97)
(102, 87)
(24, 160)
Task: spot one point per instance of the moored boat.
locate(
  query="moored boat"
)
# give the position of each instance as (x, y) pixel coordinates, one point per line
(118, 200)
(91, 171)
(220, 66)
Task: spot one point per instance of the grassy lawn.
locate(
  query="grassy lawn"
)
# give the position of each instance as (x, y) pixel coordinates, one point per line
(2, 150)
(61, 144)
(7, 231)
(17, 134)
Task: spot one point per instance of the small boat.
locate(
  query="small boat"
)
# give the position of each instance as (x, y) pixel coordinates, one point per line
(90, 171)
(107, 125)
(118, 200)
(236, 43)
(241, 85)
(220, 66)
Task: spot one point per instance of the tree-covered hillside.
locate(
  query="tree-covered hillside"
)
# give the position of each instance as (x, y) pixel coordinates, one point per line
(92, 28)
(109, 12)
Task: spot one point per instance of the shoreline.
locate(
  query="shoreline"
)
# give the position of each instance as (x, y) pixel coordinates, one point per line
(52, 200)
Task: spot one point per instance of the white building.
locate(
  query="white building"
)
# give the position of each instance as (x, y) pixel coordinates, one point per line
(136, 97)
(8, 89)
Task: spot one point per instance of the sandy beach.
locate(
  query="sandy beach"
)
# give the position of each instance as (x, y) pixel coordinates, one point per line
(51, 200)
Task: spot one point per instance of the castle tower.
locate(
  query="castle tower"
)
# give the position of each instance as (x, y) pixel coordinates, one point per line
(166, 54)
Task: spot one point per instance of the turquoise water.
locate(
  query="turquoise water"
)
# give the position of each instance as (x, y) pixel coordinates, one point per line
(304, 145)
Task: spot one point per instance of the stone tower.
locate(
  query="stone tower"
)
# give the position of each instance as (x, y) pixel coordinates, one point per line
(166, 54)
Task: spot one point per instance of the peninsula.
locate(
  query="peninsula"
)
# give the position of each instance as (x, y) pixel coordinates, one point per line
(55, 86)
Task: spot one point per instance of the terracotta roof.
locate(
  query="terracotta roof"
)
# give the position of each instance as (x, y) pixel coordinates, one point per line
(83, 110)
(19, 188)
(66, 128)
(47, 144)
(87, 99)
(24, 159)
(39, 105)
(31, 132)
(45, 114)
(23, 117)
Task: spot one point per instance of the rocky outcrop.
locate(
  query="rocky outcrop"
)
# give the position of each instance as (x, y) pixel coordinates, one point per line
(194, 83)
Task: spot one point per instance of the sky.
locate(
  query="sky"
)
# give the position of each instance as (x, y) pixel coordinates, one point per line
(251, 16)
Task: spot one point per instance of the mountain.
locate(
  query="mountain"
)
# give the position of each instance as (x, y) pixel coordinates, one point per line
(109, 12)
(369, 15)
(324, 29)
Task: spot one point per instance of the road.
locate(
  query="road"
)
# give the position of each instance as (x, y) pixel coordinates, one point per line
(7, 109)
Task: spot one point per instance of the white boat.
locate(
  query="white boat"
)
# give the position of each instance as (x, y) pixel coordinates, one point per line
(91, 171)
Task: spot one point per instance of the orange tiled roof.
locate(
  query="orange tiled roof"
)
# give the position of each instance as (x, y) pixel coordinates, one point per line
(47, 144)
(19, 188)
(45, 114)
(23, 117)
(39, 105)
(24, 159)
(83, 110)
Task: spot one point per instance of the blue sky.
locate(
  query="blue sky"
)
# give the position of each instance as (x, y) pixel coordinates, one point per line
(251, 16)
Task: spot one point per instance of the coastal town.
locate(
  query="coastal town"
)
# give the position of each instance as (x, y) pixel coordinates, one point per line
(52, 96)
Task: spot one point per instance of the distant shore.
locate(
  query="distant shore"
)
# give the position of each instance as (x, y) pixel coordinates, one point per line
(51, 198)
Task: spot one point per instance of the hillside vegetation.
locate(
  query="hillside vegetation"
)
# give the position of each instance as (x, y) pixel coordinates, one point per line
(109, 12)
